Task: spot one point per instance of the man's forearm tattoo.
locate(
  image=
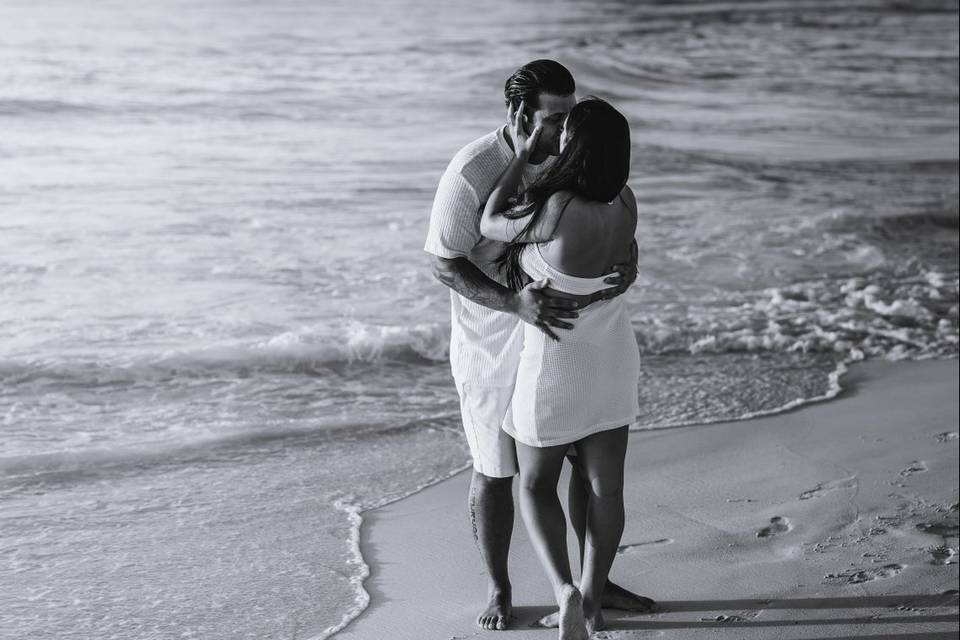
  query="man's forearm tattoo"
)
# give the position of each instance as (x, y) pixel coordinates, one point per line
(468, 280)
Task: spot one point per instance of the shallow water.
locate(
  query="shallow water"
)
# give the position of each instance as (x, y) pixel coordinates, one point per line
(218, 334)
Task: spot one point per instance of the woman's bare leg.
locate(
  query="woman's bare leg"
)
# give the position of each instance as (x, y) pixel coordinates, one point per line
(543, 515)
(602, 457)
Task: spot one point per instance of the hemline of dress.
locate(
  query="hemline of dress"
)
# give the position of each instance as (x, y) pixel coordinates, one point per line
(603, 426)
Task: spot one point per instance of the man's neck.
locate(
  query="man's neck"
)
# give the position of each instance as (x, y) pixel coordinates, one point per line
(537, 157)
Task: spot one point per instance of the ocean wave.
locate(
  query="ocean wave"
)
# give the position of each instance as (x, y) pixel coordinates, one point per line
(913, 315)
(895, 227)
(308, 350)
(27, 106)
(239, 105)
(910, 317)
(70, 465)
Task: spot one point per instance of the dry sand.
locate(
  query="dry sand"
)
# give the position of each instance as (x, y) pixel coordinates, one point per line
(834, 520)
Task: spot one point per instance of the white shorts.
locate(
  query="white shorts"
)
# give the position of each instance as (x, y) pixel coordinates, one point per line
(483, 409)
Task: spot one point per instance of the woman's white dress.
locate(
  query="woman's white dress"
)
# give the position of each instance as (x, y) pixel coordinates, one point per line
(586, 382)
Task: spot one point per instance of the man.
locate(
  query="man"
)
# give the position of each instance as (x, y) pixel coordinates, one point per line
(486, 330)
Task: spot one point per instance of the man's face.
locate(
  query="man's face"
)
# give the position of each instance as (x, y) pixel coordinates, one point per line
(552, 111)
(564, 134)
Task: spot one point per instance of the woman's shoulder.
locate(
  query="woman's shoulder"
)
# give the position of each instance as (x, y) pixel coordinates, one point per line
(574, 214)
(629, 201)
(563, 198)
(560, 199)
(557, 203)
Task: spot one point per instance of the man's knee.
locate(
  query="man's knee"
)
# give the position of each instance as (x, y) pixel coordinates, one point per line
(491, 484)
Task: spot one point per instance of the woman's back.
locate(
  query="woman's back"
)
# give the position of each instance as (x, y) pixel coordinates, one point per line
(591, 237)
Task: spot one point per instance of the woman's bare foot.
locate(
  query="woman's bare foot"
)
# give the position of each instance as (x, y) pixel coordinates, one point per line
(592, 615)
(616, 597)
(570, 619)
(496, 616)
(595, 622)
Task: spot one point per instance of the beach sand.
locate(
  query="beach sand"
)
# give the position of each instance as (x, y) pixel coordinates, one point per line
(834, 520)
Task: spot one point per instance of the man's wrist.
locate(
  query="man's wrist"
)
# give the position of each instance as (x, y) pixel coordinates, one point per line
(513, 302)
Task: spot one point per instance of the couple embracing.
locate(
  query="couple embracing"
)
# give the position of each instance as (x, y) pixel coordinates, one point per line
(532, 229)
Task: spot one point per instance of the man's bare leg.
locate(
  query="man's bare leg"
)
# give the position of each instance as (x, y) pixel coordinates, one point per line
(602, 456)
(491, 515)
(614, 596)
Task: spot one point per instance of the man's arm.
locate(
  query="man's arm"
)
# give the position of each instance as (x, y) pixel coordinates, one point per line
(530, 304)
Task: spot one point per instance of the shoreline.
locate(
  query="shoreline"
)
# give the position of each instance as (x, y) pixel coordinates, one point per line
(391, 523)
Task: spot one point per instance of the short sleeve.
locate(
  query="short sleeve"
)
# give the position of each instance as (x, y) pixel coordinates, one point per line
(454, 219)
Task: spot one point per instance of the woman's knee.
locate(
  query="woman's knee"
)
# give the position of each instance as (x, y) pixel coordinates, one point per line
(605, 485)
(539, 482)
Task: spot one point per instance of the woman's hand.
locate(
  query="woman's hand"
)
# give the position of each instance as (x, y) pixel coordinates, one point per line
(523, 143)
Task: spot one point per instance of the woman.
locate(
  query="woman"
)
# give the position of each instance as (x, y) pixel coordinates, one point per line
(570, 227)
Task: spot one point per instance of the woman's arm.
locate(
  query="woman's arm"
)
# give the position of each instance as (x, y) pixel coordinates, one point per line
(495, 223)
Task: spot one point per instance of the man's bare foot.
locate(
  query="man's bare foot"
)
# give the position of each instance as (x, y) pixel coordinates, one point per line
(616, 597)
(496, 616)
(570, 619)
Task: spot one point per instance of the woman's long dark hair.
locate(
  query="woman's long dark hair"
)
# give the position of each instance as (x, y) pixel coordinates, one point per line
(594, 164)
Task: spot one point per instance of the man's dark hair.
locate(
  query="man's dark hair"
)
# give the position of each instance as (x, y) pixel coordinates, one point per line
(534, 78)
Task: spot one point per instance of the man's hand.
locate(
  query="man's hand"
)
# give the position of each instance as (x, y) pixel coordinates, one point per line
(530, 303)
(537, 308)
(626, 274)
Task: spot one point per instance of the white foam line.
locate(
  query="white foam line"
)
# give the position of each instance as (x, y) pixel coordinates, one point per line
(362, 601)
(354, 515)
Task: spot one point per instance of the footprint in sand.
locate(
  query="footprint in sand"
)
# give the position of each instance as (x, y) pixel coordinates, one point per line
(777, 525)
(627, 548)
(917, 466)
(822, 488)
(942, 555)
(866, 575)
(745, 617)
